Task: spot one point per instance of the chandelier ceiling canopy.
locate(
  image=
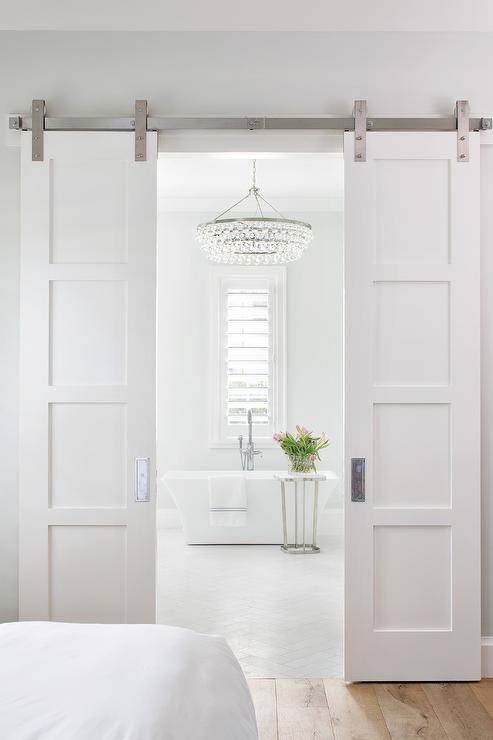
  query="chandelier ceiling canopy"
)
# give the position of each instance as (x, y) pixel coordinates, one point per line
(254, 240)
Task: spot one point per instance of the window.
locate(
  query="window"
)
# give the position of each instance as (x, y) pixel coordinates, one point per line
(248, 353)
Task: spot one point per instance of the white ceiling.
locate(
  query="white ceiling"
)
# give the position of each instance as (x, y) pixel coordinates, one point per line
(202, 184)
(254, 15)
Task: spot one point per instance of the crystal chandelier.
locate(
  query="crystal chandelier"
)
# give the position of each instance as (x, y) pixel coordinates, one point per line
(254, 240)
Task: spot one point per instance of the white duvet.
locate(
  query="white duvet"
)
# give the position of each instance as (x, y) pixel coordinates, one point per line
(120, 682)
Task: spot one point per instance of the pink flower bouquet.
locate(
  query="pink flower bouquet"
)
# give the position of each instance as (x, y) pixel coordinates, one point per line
(302, 449)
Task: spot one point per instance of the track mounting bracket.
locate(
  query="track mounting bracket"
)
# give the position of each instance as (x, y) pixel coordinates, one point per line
(360, 125)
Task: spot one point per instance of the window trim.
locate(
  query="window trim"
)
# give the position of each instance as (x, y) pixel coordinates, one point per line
(276, 276)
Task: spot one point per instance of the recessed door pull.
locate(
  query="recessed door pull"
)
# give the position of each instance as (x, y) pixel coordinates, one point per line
(142, 483)
(358, 479)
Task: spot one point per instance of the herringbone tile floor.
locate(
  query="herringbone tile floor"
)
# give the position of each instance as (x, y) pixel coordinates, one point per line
(281, 614)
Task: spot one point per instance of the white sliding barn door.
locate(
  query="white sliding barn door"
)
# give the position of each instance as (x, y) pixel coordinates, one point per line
(87, 547)
(413, 409)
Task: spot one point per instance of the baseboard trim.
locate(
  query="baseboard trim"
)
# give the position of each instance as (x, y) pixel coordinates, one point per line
(487, 657)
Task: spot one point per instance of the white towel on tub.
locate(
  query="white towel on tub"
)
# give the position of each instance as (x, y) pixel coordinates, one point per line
(227, 501)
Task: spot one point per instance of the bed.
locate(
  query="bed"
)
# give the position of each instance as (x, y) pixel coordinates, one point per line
(120, 682)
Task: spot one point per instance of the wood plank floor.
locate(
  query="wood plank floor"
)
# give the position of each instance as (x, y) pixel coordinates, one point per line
(317, 709)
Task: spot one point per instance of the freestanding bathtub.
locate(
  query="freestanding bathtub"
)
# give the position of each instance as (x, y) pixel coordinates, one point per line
(190, 491)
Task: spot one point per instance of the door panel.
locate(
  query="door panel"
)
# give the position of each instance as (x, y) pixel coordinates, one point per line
(87, 548)
(412, 409)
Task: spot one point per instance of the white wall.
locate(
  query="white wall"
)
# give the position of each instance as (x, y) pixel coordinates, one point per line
(243, 74)
(256, 15)
(314, 347)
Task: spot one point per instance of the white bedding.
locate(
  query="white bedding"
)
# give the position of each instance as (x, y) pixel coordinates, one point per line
(120, 682)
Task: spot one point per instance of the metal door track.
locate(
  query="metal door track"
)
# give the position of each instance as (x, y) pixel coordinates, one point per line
(140, 123)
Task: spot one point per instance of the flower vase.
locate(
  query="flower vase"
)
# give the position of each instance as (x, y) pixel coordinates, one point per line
(301, 465)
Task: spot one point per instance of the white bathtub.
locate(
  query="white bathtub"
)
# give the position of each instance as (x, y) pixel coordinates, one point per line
(190, 491)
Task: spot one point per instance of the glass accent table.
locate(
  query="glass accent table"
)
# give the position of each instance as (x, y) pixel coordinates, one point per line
(299, 544)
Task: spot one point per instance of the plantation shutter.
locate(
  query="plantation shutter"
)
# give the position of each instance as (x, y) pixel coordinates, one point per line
(248, 354)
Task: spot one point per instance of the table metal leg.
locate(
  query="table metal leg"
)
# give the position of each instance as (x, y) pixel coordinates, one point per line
(315, 514)
(304, 518)
(296, 513)
(284, 522)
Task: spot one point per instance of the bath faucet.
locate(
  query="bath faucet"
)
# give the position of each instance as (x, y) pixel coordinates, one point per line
(248, 455)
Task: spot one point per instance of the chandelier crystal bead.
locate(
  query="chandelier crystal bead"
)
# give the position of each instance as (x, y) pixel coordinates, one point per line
(255, 240)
